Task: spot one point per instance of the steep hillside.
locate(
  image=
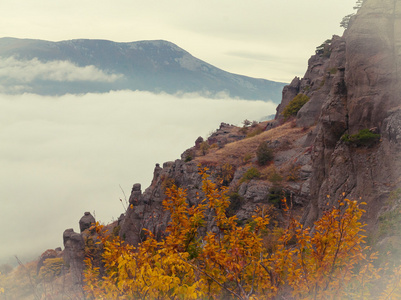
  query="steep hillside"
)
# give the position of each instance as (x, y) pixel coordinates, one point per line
(345, 142)
(101, 66)
(234, 164)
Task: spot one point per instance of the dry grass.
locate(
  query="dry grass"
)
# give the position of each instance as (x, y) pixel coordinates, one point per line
(234, 153)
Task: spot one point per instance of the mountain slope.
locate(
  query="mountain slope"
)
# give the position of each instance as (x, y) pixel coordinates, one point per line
(157, 66)
(344, 143)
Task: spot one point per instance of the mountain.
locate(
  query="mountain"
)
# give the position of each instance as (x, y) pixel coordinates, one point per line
(83, 65)
(345, 142)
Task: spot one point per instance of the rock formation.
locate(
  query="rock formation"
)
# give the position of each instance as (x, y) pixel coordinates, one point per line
(74, 253)
(86, 221)
(226, 160)
(353, 84)
(74, 247)
(358, 88)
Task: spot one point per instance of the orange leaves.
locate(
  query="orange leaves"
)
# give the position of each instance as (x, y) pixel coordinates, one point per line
(327, 261)
(230, 260)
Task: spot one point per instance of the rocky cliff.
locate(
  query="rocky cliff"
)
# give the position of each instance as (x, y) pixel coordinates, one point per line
(345, 142)
(354, 84)
(229, 154)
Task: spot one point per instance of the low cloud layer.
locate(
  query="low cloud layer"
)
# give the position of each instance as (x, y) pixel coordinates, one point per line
(62, 156)
(24, 71)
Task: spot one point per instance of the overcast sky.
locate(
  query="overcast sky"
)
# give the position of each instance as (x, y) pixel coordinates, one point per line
(269, 39)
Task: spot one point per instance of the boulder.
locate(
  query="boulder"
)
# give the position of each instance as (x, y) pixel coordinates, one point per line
(86, 221)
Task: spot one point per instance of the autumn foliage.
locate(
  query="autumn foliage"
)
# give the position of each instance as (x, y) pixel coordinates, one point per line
(207, 255)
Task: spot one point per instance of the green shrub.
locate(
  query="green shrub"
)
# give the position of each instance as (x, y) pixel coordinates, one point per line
(264, 154)
(363, 138)
(294, 106)
(275, 195)
(251, 173)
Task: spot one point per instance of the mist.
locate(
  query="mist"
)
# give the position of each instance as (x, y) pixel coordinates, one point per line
(62, 156)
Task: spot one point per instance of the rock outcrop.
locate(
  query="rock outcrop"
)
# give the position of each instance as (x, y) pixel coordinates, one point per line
(74, 247)
(227, 163)
(74, 254)
(86, 221)
(354, 84)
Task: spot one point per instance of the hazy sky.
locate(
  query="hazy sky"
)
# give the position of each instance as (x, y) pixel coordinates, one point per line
(269, 39)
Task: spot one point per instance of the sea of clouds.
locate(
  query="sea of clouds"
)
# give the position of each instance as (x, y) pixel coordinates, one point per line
(62, 156)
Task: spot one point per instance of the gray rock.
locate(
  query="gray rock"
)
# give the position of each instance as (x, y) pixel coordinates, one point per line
(136, 195)
(86, 221)
(364, 93)
(289, 92)
(255, 191)
(74, 254)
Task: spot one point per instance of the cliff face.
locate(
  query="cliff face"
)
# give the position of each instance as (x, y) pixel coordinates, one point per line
(359, 88)
(353, 83)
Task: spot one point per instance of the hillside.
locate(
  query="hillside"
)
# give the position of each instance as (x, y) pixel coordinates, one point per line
(343, 142)
(97, 66)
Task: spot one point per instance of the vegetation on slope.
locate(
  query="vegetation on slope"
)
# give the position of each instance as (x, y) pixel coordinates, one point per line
(294, 106)
(253, 261)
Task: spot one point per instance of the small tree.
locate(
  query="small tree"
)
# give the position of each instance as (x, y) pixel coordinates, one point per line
(246, 123)
(345, 21)
(264, 154)
(363, 138)
(204, 147)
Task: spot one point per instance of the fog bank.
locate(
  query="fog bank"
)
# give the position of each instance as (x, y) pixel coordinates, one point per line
(62, 156)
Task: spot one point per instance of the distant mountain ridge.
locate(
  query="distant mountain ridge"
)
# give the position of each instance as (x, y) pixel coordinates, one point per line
(157, 66)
